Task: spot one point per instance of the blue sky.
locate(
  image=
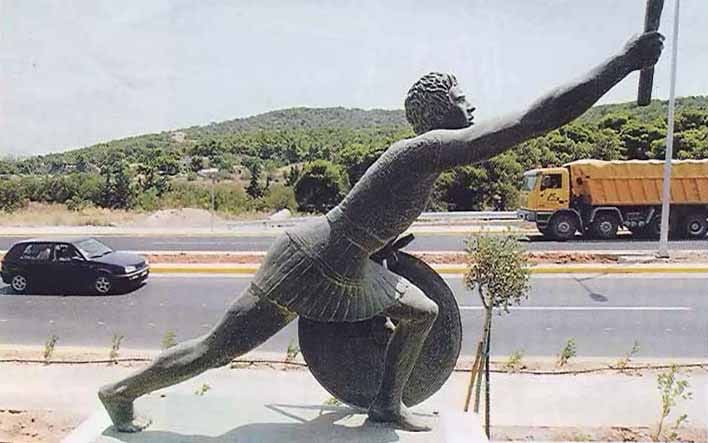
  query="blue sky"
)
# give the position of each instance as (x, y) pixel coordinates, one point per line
(74, 73)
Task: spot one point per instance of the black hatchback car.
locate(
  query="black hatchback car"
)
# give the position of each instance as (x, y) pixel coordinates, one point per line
(71, 264)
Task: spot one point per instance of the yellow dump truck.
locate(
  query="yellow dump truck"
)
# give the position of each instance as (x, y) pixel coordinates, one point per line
(597, 197)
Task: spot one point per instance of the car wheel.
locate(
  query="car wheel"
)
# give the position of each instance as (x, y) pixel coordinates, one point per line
(563, 226)
(604, 226)
(103, 284)
(696, 226)
(19, 283)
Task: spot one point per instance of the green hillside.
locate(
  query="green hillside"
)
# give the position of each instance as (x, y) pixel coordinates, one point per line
(262, 159)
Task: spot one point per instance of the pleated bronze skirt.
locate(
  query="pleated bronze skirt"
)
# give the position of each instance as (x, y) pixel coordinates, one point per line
(322, 276)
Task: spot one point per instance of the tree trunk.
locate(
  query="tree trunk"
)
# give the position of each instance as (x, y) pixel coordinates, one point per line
(486, 379)
(482, 365)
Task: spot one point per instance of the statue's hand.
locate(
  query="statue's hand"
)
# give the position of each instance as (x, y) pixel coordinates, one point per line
(643, 51)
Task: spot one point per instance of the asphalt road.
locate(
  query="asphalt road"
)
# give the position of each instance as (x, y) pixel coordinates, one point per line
(667, 315)
(423, 242)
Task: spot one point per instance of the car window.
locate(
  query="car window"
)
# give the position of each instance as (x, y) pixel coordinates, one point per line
(37, 252)
(16, 251)
(92, 248)
(64, 252)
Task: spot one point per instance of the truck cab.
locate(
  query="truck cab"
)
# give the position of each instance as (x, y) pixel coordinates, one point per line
(544, 192)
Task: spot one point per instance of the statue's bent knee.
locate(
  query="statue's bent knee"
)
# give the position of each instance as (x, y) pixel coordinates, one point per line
(429, 312)
(425, 310)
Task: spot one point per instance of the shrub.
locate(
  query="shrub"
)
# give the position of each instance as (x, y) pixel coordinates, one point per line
(292, 352)
(499, 273)
(115, 348)
(169, 339)
(514, 363)
(566, 353)
(280, 197)
(148, 200)
(672, 389)
(77, 204)
(49, 346)
(11, 196)
(321, 186)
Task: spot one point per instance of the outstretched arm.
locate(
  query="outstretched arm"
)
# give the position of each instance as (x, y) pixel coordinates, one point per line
(560, 106)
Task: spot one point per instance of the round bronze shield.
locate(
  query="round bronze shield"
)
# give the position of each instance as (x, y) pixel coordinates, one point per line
(347, 358)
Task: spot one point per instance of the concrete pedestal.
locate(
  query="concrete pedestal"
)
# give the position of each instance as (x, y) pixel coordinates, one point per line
(216, 418)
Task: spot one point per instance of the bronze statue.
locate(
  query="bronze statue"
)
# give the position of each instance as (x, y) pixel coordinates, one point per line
(323, 271)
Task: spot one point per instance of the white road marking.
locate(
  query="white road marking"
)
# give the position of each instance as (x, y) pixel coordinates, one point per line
(586, 308)
(188, 242)
(201, 275)
(599, 276)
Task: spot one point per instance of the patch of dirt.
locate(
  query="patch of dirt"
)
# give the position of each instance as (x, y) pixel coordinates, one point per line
(449, 258)
(571, 257)
(179, 218)
(182, 258)
(18, 426)
(613, 433)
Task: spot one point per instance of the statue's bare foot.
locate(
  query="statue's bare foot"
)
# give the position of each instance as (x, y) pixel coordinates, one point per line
(400, 417)
(136, 425)
(121, 412)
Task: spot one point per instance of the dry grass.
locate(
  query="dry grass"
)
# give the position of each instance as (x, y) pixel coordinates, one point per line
(42, 214)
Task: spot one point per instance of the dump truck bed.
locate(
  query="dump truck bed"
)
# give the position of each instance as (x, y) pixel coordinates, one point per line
(638, 182)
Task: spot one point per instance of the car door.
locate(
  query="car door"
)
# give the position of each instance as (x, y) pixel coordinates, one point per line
(37, 262)
(82, 271)
(553, 195)
(62, 267)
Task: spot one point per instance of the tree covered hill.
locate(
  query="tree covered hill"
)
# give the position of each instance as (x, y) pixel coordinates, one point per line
(305, 154)
(306, 118)
(656, 110)
(293, 135)
(286, 136)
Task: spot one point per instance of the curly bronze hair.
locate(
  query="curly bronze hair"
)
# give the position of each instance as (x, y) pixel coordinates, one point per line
(428, 101)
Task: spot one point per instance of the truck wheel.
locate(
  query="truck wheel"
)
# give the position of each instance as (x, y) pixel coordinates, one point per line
(695, 226)
(605, 226)
(563, 226)
(546, 231)
(653, 229)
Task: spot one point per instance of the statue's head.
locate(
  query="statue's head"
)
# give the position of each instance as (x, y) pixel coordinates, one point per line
(436, 101)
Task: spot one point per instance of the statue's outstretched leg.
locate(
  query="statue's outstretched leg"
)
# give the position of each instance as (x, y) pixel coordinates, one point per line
(249, 322)
(416, 314)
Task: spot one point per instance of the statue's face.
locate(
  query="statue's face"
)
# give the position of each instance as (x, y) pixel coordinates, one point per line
(460, 113)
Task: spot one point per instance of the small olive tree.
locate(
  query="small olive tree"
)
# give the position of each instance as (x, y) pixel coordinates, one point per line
(499, 273)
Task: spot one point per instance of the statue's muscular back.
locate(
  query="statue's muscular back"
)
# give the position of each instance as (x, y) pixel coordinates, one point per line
(394, 190)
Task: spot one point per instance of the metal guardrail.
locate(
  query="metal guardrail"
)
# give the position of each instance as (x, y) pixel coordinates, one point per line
(474, 215)
(424, 217)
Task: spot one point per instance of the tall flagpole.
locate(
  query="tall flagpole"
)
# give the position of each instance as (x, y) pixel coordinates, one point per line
(666, 195)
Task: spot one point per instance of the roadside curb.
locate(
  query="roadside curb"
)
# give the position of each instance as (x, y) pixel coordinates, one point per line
(533, 364)
(249, 269)
(265, 232)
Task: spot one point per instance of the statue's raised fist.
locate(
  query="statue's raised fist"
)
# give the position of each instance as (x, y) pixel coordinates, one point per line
(643, 51)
